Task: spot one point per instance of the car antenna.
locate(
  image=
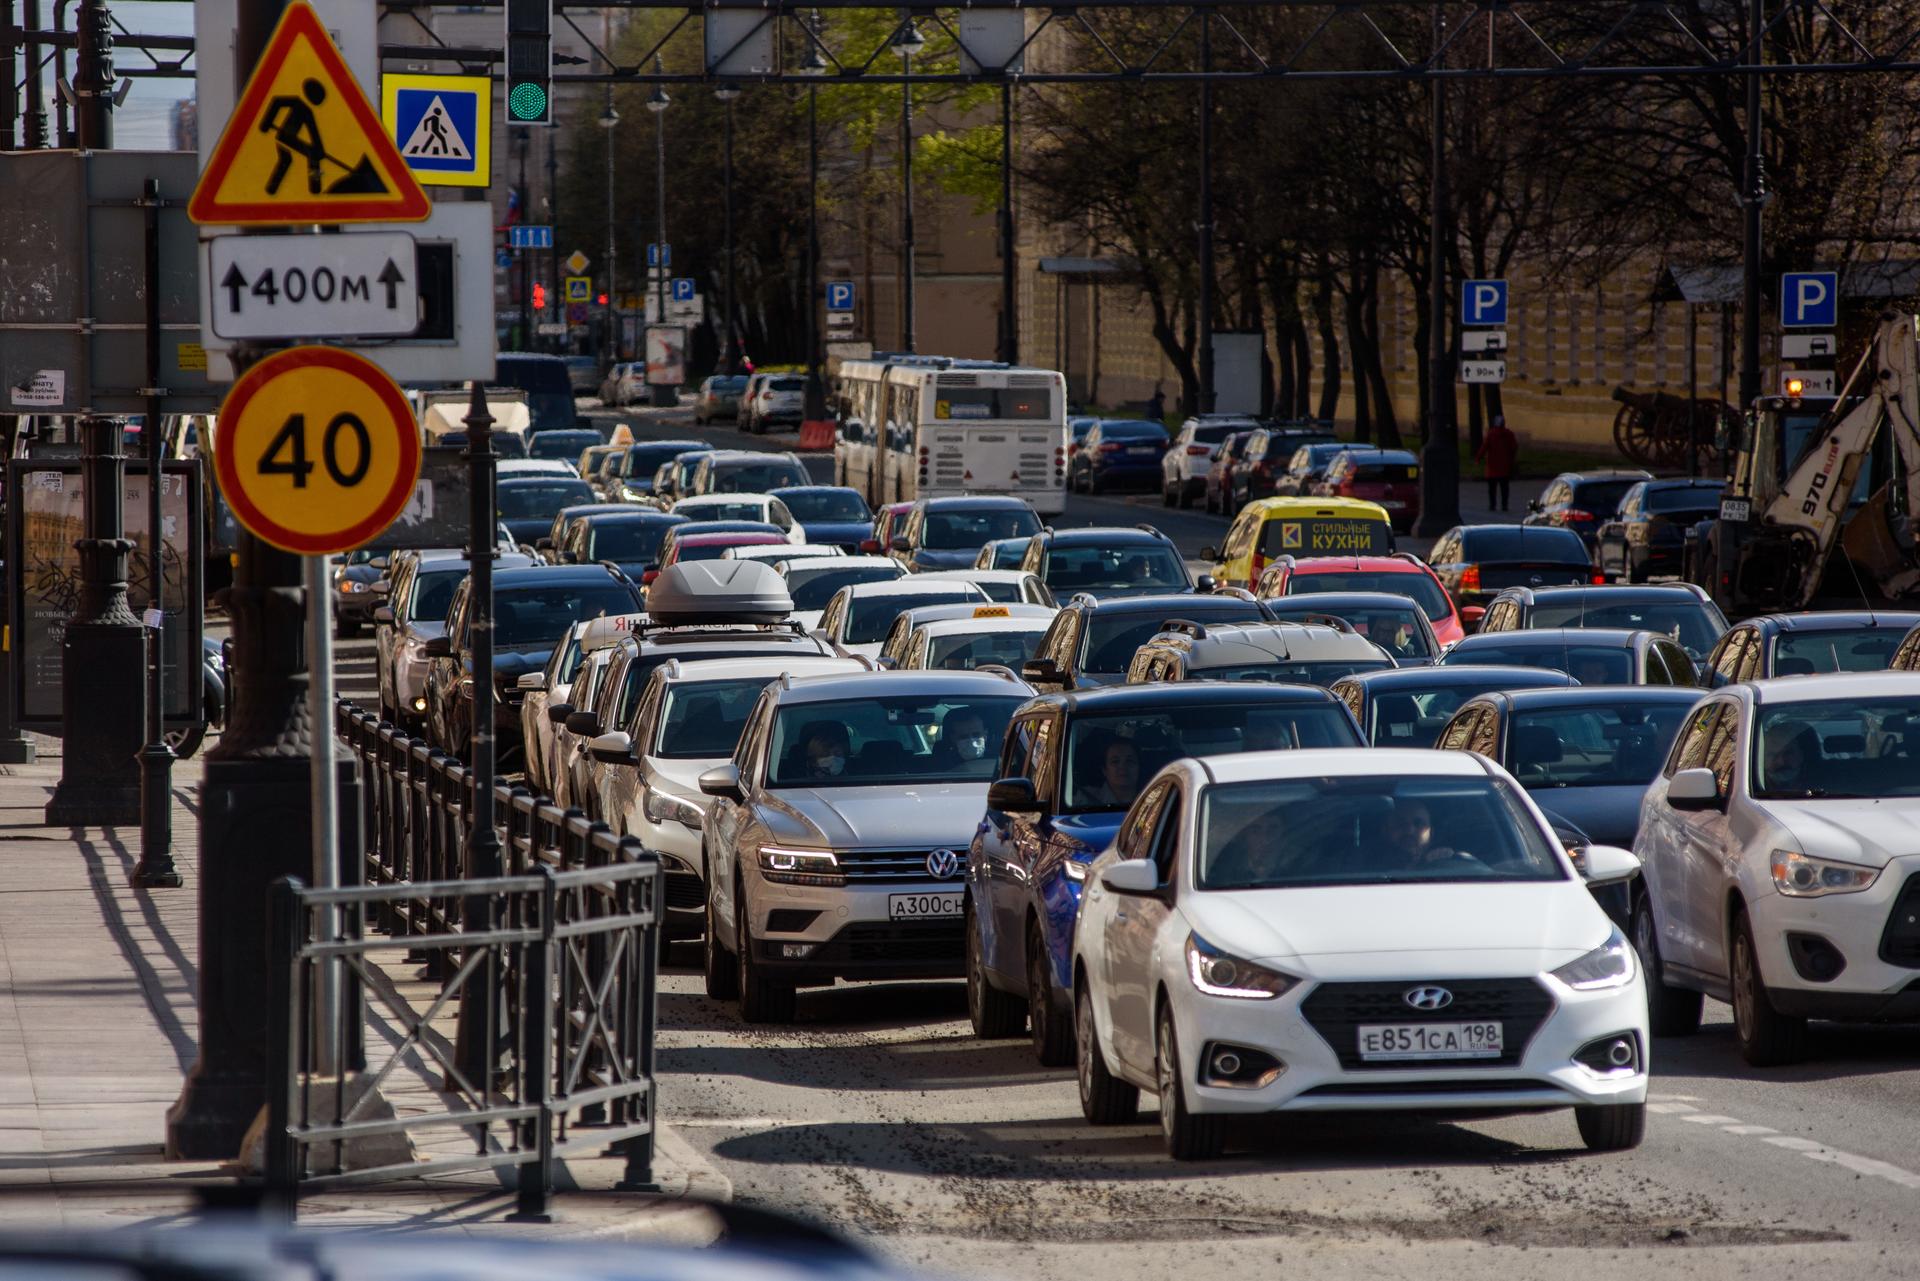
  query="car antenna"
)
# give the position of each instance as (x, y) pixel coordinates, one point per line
(1860, 587)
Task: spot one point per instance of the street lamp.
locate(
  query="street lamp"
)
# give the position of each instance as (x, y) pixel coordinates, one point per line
(608, 119)
(727, 93)
(657, 103)
(907, 41)
(815, 65)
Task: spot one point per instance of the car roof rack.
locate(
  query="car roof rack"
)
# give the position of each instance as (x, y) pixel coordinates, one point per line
(1318, 619)
(1237, 593)
(1184, 627)
(1088, 597)
(1001, 670)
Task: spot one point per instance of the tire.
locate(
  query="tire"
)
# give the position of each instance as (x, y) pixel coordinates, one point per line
(1634, 573)
(1188, 1137)
(1104, 1099)
(1186, 494)
(763, 999)
(1611, 1127)
(1052, 1032)
(996, 1015)
(1766, 1037)
(344, 629)
(1166, 494)
(721, 967)
(1094, 483)
(1671, 1011)
(185, 742)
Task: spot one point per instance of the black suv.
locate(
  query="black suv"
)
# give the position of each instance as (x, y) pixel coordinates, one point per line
(1681, 610)
(1109, 561)
(1583, 500)
(1091, 641)
(532, 610)
(948, 533)
(1806, 644)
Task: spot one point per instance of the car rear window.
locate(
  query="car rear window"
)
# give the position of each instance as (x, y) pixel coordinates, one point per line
(538, 617)
(1684, 498)
(526, 499)
(1387, 472)
(757, 478)
(1530, 544)
(1122, 429)
(870, 617)
(1864, 649)
(1601, 497)
(1214, 433)
(560, 444)
(786, 384)
(1413, 583)
(1588, 664)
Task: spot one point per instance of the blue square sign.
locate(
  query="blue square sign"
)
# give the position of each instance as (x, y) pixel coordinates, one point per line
(839, 295)
(439, 125)
(1809, 299)
(1483, 302)
(682, 288)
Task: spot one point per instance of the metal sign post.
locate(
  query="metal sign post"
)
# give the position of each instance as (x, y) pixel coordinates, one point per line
(325, 802)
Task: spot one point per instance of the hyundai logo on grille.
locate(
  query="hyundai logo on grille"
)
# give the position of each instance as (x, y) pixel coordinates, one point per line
(942, 864)
(1428, 998)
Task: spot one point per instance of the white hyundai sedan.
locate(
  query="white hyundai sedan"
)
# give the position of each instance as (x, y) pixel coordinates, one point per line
(1326, 930)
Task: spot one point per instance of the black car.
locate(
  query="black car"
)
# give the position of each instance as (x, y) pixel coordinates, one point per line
(1648, 535)
(562, 442)
(831, 514)
(1118, 451)
(532, 609)
(948, 533)
(1396, 624)
(548, 384)
(628, 539)
(1474, 562)
(630, 476)
(674, 478)
(1583, 500)
(1408, 707)
(1805, 644)
(1591, 655)
(547, 544)
(1090, 641)
(1681, 610)
(528, 504)
(1106, 561)
(741, 471)
(1272, 471)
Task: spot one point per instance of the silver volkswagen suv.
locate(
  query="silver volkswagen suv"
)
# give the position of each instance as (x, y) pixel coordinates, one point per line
(836, 843)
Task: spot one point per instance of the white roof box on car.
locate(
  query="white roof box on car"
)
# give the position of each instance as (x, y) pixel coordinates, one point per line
(718, 591)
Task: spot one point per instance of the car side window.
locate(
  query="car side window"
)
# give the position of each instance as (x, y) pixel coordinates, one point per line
(1726, 659)
(1454, 736)
(746, 756)
(1752, 662)
(1240, 537)
(1483, 734)
(1690, 744)
(1678, 663)
(1904, 658)
(1136, 831)
(1066, 640)
(1352, 696)
(1166, 837)
(1720, 745)
(1016, 753)
(1046, 750)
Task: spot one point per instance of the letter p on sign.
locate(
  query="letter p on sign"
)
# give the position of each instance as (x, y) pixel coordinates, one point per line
(1809, 300)
(1483, 302)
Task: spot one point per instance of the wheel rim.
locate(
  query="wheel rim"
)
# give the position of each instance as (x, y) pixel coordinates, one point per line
(1743, 995)
(1163, 1077)
(1643, 939)
(1037, 988)
(975, 1005)
(1083, 1045)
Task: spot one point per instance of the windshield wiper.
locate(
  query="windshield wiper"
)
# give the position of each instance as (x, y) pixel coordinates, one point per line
(1814, 794)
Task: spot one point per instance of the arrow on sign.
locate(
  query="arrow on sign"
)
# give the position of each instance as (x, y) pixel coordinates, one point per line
(233, 282)
(392, 277)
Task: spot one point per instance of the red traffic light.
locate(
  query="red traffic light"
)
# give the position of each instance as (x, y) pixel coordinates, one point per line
(539, 296)
(603, 300)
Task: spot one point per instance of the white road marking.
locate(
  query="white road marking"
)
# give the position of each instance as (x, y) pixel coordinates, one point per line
(1671, 1108)
(1812, 1148)
(1708, 1118)
(1751, 1129)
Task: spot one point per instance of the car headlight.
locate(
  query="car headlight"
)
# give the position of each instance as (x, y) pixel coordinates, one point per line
(466, 687)
(1219, 974)
(663, 807)
(353, 586)
(1798, 876)
(793, 866)
(1609, 965)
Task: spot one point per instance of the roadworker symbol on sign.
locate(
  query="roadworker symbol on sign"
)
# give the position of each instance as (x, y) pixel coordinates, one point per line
(303, 145)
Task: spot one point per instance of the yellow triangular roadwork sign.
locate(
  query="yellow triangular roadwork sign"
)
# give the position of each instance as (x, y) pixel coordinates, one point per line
(303, 145)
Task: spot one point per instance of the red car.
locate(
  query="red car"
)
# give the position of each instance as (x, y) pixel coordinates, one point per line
(887, 522)
(1402, 574)
(1390, 477)
(709, 547)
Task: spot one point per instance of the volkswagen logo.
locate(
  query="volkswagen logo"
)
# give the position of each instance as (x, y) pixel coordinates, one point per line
(1427, 998)
(942, 864)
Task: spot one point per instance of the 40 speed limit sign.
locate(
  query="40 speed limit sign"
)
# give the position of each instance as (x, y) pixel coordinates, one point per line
(316, 450)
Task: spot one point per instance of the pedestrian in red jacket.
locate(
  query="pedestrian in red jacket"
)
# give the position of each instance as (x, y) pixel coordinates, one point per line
(1497, 453)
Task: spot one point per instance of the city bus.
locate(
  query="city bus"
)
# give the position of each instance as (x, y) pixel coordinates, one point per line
(928, 426)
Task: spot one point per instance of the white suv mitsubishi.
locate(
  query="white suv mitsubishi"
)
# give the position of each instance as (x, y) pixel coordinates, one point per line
(1782, 872)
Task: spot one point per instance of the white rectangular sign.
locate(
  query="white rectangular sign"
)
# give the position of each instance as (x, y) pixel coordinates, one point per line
(357, 285)
(1806, 346)
(1483, 371)
(1806, 382)
(1483, 340)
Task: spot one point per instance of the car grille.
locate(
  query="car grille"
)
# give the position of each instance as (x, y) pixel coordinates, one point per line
(685, 891)
(896, 867)
(937, 941)
(1482, 1085)
(1900, 944)
(1336, 1011)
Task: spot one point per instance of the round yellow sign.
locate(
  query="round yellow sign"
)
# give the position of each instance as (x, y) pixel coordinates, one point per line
(316, 450)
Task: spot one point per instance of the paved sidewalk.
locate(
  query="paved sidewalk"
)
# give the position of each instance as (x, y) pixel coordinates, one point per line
(98, 1027)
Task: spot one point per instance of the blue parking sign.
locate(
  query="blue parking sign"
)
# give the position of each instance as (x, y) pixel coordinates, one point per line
(839, 295)
(1809, 299)
(683, 289)
(1483, 302)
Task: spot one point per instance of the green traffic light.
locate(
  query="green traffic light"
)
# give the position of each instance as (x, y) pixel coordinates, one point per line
(527, 102)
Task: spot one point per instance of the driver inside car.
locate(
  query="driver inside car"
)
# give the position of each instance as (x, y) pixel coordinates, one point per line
(825, 750)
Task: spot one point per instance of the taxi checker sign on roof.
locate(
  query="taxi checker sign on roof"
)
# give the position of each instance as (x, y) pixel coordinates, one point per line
(303, 145)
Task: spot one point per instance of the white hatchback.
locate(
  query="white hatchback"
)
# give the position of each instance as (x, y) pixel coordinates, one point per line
(1782, 852)
(1389, 930)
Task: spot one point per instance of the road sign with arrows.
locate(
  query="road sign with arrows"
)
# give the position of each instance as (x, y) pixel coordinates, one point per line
(357, 285)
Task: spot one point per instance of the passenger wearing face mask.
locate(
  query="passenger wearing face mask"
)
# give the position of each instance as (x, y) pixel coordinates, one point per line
(963, 737)
(825, 750)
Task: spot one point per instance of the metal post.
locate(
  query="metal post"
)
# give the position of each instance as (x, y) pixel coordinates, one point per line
(1753, 200)
(155, 869)
(254, 804)
(283, 1041)
(662, 394)
(9, 73)
(537, 1015)
(322, 799)
(816, 406)
(907, 338)
(728, 356)
(554, 290)
(1440, 470)
(1009, 320)
(33, 122)
(525, 255)
(93, 78)
(1204, 304)
(1693, 391)
(611, 311)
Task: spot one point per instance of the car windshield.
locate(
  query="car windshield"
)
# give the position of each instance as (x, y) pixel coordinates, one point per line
(1110, 757)
(842, 506)
(1291, 673)
(526, 499)
(628, 540)
(1396, 630)
(1588, 664)
(963, 652)
(888, 739)
(1415, 717)
(1688, 498)
(560, 444)
(1534, 543)
(433, 593)
(537, 617)
(951, 530)
(704, 718)
(1369, 830)
(1113, 637)
(1695, 624)
(1414, 584)
(814, 588)
(1611, 746)
(754, 509)
(869, 618)
(1854, 649)
(757, 478)
(1128, 566)
(1853, 748)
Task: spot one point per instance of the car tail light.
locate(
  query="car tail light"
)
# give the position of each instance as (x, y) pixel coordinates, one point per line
(1574, 513)
(1470, 579)
(1599, 579)
(1111, 447)
(1198, 449)
(646, 579)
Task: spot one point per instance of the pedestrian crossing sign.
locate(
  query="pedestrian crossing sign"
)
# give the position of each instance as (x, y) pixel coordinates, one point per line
(303, 145)
(442, 126)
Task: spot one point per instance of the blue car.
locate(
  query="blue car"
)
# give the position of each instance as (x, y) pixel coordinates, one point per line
(1118, 452)
(831, 514)
(1069, 768)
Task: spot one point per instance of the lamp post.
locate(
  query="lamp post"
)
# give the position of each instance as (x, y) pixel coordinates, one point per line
(907, 41)
(727, 93)
(608, 119)
(815, 65)
(657, 103)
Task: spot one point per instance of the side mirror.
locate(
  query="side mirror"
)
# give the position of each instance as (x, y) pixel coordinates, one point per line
(870, 546)
(1694, 789)
(1132, 876)
(1012, 796)
(1204, 583)
(531, 681)
(543, 544)
(585, 724)
(439, 647)
(613, 748)
(382, 587)
(379, 563)
(1472, 614)
(383, 614)
(886, 662)
(646, 578)
(1209, 553)
(900, 543)
(557, 713)
(1606, 864)
(722, 781)
(1039, 669)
